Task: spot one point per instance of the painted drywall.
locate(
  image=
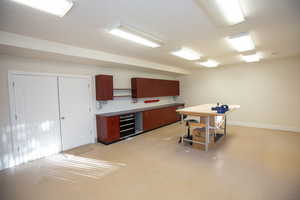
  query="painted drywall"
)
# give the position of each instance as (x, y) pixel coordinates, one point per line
(268, 92)
(121, 80)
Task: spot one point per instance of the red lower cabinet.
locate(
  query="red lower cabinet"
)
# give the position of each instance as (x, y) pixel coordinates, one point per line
(113, 128)
(159, 117)
(108, 128)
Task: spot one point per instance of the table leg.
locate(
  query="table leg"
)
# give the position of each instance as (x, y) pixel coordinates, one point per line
(181, 122)
(225, 126)
(207, 133)
(181, 117)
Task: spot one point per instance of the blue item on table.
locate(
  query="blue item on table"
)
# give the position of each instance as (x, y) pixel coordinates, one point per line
(221, 109)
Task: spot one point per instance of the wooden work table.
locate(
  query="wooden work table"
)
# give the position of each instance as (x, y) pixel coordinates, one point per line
(205, 112)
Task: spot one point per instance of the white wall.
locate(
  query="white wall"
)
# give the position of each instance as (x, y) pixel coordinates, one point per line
(121, 80)
(268, 92)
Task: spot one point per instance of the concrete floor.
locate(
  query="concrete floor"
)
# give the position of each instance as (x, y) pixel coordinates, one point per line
(250, 164)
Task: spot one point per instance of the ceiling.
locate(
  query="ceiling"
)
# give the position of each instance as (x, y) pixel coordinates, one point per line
(273, 24)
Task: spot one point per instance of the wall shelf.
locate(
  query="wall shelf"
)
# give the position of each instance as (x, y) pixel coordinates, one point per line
(122, 88)
(122, 96)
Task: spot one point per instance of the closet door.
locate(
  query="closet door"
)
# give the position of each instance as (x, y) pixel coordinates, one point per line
(35, 117)
(75, 112)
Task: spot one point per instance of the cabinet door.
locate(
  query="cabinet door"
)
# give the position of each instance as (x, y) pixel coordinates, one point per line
(104, 87)
(159, 117)
(173, 88)
(145, 87)
(169, 115)
(152, 119)
(173, 116)
(108, 129)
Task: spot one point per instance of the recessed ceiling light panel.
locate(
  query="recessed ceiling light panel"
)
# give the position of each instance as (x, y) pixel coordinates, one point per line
(242, 42)
(187, 54)
(209, 63)
(223, 12)
(251, 57)
(55, 7)
(136, 36)
(231, 11)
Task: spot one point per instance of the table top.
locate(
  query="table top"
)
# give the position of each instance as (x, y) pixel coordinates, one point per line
(205, 110)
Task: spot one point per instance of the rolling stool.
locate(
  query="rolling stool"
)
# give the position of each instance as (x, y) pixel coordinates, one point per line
(188, 121)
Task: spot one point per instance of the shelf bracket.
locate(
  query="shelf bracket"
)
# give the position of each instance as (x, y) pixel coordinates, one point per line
(134, 100)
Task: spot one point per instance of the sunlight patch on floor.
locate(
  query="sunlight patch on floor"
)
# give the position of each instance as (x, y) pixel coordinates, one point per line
(72, 169)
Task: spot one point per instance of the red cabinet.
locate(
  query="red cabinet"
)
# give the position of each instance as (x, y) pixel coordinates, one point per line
(113, 128)
(104, 87)
(146, 87)
(159, 117)
(108, 128)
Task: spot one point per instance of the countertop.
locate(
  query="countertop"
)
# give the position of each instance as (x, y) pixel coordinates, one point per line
(124, 112)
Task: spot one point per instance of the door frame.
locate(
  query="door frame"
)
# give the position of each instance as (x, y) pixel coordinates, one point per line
(12, 104)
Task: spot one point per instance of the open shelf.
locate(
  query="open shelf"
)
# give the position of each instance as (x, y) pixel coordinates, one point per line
(122, 88)
(122, 96)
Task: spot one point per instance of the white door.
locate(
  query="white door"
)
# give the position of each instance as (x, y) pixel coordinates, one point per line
(36, 124)
(75, 112)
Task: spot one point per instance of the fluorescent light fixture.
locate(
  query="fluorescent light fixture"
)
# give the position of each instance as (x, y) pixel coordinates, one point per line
(231, 10)
(187, 54)
(209, 63)
(130, 34)
(223, 12)
(242, 42)
(251, 58)
(55, 7)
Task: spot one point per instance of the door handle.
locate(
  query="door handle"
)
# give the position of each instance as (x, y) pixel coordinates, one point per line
(62, 118)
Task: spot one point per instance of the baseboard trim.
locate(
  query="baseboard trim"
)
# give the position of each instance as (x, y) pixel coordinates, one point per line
(266, 126)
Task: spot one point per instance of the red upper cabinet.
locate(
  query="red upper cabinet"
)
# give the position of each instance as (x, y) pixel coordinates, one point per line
(146, 87)
(104, 87)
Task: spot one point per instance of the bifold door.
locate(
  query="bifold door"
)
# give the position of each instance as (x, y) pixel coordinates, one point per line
(36, 124)
(75, 111)
(49, 114)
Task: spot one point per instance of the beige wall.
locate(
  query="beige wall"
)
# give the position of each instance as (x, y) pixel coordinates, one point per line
(268, 92)
(12, 63)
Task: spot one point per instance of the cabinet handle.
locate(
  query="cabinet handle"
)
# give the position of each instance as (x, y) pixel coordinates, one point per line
(124, 120)
(126, 116)
(127, 129)
(127, 124)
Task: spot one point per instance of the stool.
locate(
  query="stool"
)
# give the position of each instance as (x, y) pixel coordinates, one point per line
(188, 121)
